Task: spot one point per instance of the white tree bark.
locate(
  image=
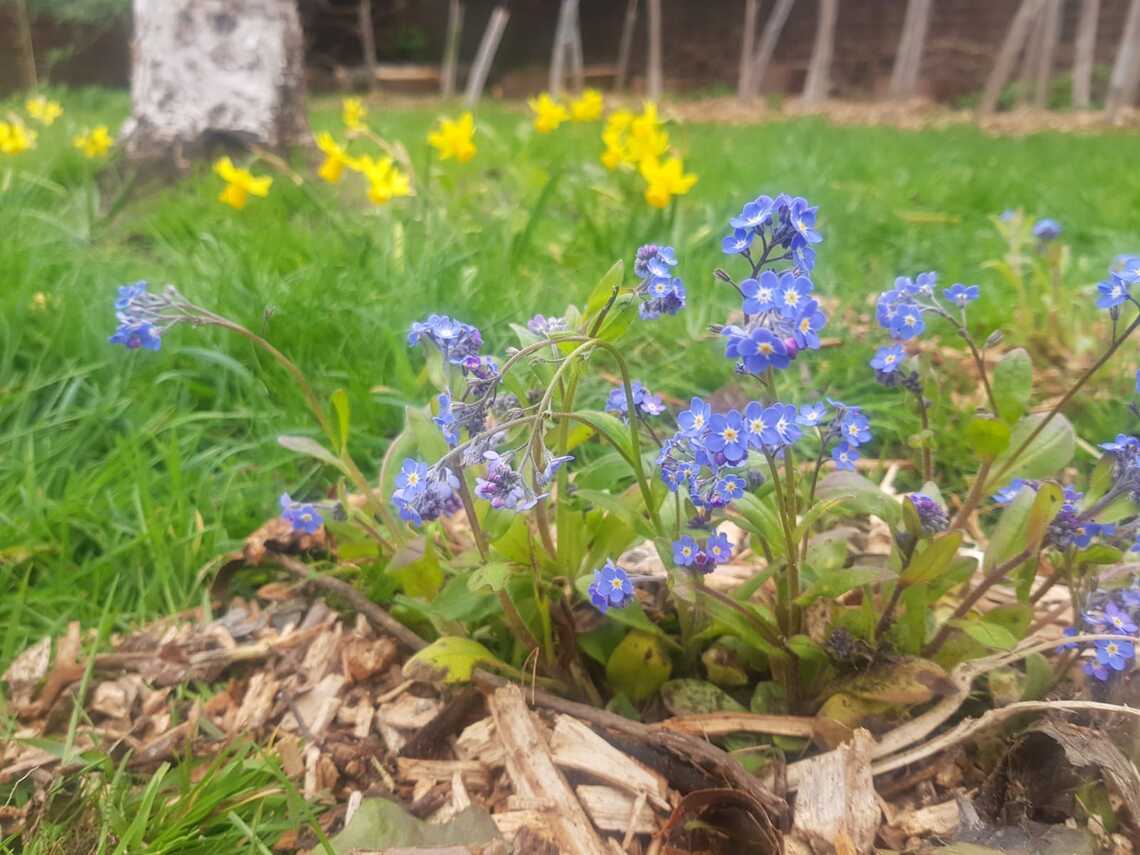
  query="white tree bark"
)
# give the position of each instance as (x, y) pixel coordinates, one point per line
(654, 77)
(747, 38)
(625, 45)
(1050, 30)
(1015, 38)
(1126, 70)
(818, 83)
(488, 47)
(772, 29)
(451, 48)
(206, 72)
(908, 60)
(1084, 54)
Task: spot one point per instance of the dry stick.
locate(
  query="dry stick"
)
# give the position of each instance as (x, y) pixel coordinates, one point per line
(1084, 53)
(772, 29)
(747, 38)
(451, 48)
(1050, 30)
(977, 490)
(1126, 69)
(1015, 38)
(486, 55)
(654, 72)
(908, 60)
(818, 83)
(625, 46)
(695, 751)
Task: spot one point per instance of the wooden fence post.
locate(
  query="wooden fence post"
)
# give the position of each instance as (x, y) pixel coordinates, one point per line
(818, 83)
(912, 41)
(772, 29)
(1084, 53)
(1014, 40)
(485, 55)
(451, 48)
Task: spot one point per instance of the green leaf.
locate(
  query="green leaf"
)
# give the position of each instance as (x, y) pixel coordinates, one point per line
(416, 568)
(382, 824)
(343, 412)
(449, 659)
(839, 582)
(638, 666)
(816, 511)
(1046, 505)
(1008, 537)
(429, 440)
(904, 680)
(312, 448)
(599, 644)
(932, 560)
(632, 615)
(758, 516)
(743, 620)
(620, 318)
(612, 428)
(988, 634)
(688, 697)
(864, 496)
(489, 577)
(1049, 453)
(607, 285)
(987, 437)
(1098, 553)
(1012, 384)
(1039, 677)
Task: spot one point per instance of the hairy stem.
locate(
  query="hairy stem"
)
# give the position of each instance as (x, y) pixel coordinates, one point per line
(971, 599)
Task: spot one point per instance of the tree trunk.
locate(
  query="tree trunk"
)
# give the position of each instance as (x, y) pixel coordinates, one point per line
(1050, 30)
(1014, 40)
(908, 61)
(558, 53)
(24, 45)
(654, 75)
(486, 55)
(768, 39)
(451, 48)
(1084, 54)
(214, 71)
(577, 64)
(1126, 69)
(368, 40)
(1031, 58)
(818, 83)
(747, 39)
(626, 45)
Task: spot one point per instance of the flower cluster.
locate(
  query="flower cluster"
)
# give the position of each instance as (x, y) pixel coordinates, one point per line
(641, 141)
(901, 310)
(661, 292)
(781, 318)
(1046, 230)
(1125, 454)
(143, 317)
(1072, 526)
(16, 137)
(504, 487)
(240, 184)
(386, 180)
(93, 142)
(43, 110)
(455, 340)
(545, 327)
(1117, 288)
(1112, 612)
(454, 138)
(645, 401)
(687, 552)
(611, 588)
(782, 222)
(301, 516)
(931, 515)
(425, 493)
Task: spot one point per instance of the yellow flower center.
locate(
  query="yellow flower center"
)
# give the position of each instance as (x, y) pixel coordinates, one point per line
(730, 434)
(615, 584)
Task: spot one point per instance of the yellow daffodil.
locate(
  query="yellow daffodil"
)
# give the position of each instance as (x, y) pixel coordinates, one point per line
(354, 113)
(95, 142)
(336, 158)
(664, 180)
(15, 137)
(548, 113)
(454, 138)
(43, 110)
(240, 184)
(385, 181)
(630, 139)
(587, 107)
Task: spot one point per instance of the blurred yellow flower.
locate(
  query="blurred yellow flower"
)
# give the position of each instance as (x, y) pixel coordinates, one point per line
(630, 139)
(43, 109)
(587, 107)
(548, 113)
(40, 302)
(95, 142)
(354, 112)
(240, 184)
(385, 181)
(454, 138)
(15, 137)
(664, 180)
(336, 158)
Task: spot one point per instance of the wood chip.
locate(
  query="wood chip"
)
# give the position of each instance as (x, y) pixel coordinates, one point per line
(532, 770)
(478, 742)
(836, 805)
(475, 775)
(408, 712)
(576, 746)
(613, 810)
(940, 820)
(257, 704)
(364, 657)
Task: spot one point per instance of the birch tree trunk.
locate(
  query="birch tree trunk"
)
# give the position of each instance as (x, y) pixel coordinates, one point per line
(818, 83)
(214, 71)
(451, 48)
(488, 47)
(1126, 70)
(908, 60)
(1084, 54)
(768, 39)
(747, 38)
(1050, 30)
(368, 40)
(654, 74)
(1015, 38)
(24, 45)
(626, 44)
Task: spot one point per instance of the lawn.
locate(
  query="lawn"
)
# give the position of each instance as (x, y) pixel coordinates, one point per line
(123, 474)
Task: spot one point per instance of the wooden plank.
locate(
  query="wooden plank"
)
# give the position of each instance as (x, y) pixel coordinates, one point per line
(1126, 69)
(486, 55)
(451, 48)
(912, 41)
(818, 83)
(747, 38)
(1014, 40)
(768, 39)
(535, 777)
(1084, 53)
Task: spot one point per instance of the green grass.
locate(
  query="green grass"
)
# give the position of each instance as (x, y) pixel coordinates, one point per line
(122, 474)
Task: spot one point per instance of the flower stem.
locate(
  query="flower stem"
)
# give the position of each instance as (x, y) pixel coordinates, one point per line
(977, 490)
